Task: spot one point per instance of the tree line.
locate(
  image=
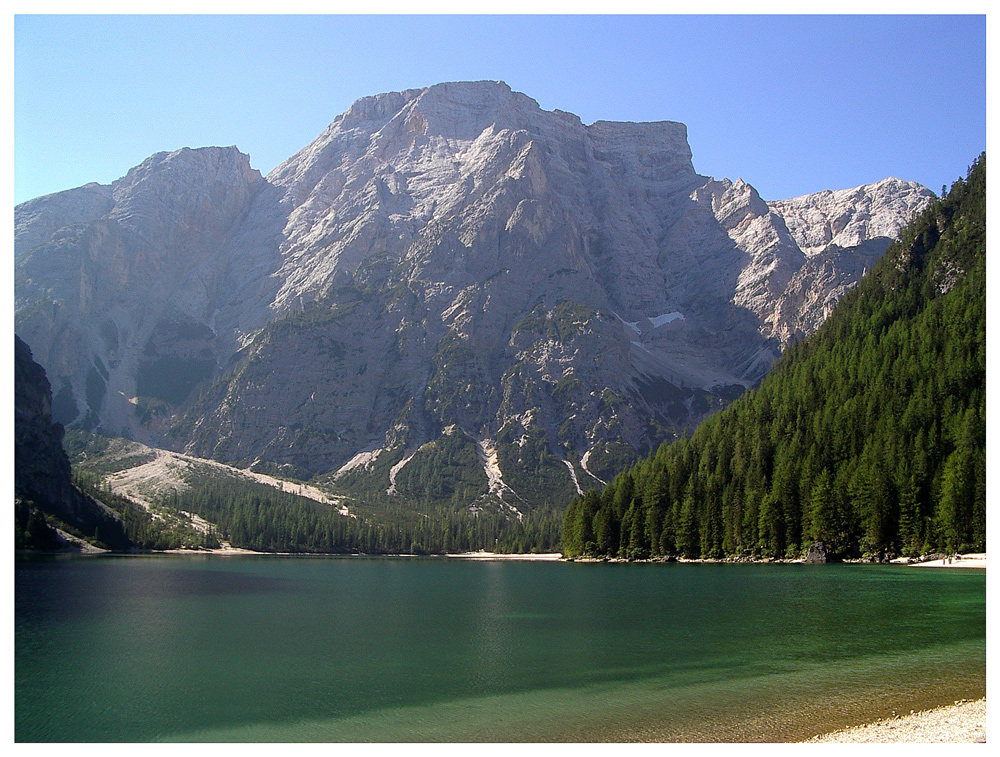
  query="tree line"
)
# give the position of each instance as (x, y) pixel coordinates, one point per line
(443, 512)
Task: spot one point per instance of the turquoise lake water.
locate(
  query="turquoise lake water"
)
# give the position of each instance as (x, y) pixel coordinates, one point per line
(266, 648)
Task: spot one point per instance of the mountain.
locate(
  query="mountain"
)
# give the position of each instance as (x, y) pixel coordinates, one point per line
(868, 439)
(451, 295)
(44, 495)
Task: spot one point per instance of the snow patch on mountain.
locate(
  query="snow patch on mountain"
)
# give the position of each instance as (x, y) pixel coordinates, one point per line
(662, 320)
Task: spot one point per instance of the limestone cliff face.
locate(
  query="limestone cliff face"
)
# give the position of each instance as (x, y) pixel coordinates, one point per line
(850, 217)
(438, 260)
(841, 233)
(126, 283)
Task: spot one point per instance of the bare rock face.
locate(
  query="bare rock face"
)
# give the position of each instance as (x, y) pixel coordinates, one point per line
(126, 281)
(850, 217)
(449, 262)
(41, 468)
(36, 221)
(841, 234)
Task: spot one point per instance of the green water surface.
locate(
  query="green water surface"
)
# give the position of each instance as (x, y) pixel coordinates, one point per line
(225, 648)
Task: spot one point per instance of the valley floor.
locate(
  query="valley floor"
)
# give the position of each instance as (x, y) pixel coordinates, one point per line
(962, 722)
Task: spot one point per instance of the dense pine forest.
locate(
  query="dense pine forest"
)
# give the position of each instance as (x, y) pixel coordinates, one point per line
(259, 517)
(869, 436)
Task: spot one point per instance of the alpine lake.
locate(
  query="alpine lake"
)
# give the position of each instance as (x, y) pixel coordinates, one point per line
(209, 648)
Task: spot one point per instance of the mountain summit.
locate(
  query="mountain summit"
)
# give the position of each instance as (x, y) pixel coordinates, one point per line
(451, 294)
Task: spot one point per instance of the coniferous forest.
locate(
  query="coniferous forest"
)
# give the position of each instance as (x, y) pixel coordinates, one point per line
(255, 516)
(869, 436)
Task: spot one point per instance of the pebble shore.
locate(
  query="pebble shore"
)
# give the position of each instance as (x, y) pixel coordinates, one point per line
(962, 722)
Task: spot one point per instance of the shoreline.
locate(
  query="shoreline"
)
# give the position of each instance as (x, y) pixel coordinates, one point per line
(237, 551)
(977, 560)
(961, 723)
(542, 556)
(970, 560)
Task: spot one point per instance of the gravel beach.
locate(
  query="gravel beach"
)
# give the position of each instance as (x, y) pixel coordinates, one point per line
(977, 560)
(962, 722)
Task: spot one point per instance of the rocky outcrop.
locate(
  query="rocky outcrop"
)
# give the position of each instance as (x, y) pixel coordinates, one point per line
(42, 476)
(564, 294)
(41, 468)
(37, 221)
(816, 552)
(841, 234)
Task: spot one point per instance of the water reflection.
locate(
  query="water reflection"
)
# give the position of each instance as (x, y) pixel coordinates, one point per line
(495, 644)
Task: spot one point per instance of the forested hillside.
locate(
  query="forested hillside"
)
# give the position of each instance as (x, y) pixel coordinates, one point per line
(254, 516)
(249, 514)
(869, 436)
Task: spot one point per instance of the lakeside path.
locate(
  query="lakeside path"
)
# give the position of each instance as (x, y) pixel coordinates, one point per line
(960, 723)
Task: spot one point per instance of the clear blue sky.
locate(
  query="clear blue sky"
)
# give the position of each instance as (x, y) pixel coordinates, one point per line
(791, 104)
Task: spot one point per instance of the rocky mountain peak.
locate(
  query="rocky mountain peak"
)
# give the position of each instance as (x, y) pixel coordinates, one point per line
(466, 100)
(732, 203)
(462, 110)
(657, 151)
(558, 295)
(849, 217)
(199, 184)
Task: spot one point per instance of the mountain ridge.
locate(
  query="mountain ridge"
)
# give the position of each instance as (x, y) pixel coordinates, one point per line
(566, 295)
